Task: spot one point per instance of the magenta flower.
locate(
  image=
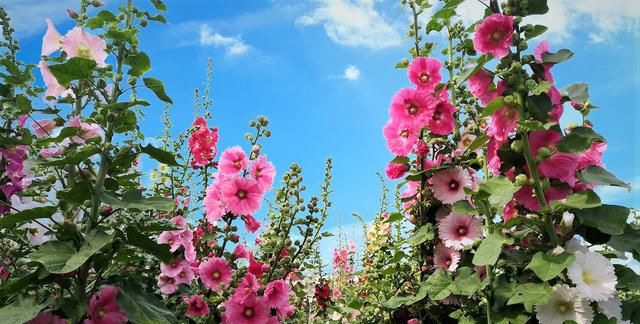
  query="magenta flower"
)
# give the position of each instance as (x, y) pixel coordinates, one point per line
(481, 86)
(52, 41)
(202, 142)
(248, 286)
(241, 252)
(54, 89)
(103, 308)
(249, 309)
(47, 318)
(214, 273)
(542, 48)
(561, 166)
(459, 230)
(250, 223)
(264, 172)
(232, 161)
(526, 197)
(256, 267)
(242, 195)
(446, 258)
(592, 156)
(503, 122)
(185, 276)
(396, 170)
(277, 294)
(448, 185)
(78, 43)
(494, 35)
(442, 121)
(400, 137)
(197, 306)
(424, 72)
(411, 106)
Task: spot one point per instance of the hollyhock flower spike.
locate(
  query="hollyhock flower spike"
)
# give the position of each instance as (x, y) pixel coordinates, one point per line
(52, 40)
(78, 43)
(459, 230)
(400, 136)
(103, 308)
(411, 106)
(424, 72)
(494, 35)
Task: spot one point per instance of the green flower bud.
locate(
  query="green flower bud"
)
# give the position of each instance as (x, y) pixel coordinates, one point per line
(517, 146)
(544, 152)
(522, 180)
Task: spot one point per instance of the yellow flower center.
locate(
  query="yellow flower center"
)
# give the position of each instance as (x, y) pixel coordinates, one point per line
(216, 275)
(248, 312)
(587, 278)
(84, 52)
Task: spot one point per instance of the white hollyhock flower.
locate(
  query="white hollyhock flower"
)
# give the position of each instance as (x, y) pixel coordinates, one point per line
(565, 304)
(574, 245)
(593, 275)
(611, 307)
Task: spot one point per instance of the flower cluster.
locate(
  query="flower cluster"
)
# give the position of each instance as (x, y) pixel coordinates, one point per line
(202, 143)
(14, 174)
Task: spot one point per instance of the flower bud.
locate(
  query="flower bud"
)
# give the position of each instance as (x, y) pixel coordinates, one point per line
(516, 146)
(72, 14)
(544, 152)
(522, 180)
(567, 219)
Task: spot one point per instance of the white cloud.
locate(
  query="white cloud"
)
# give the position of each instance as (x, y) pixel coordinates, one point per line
(28, 16)
(353, 23)
(351, 73)
(233, 45)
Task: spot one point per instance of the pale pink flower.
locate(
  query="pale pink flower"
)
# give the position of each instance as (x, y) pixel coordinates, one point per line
(185, 276)
(411, 191)
(459, 230)
(424, 72)
(78, 43)
(264, 172)
(232, 161)
(54, 89)
(411, 106)
(249, 309)
(400, 137)
(396, 170)
(173, 268)
(168, 285)
(442, 121)
(47, 318)
(413, 321)
(494, 35)
(52, 41)
(503, 122)
(448, 185)
(87, 131)
(242, 195)
(446, 258)
(43, 127)
(214, 273)
(197, 306)
(103, 308)
(214, 206)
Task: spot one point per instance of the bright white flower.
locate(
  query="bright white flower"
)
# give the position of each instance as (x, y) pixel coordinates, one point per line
(574, 245)
(565, 304)
(611, 307)
(567, 219)
(593, 275)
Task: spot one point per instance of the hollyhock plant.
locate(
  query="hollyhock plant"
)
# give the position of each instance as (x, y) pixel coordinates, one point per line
(424, 72)
(448, 185)
(593, 275)
(233, 161)
(459, 230)
(494, 35)
(47, 318)
(78, 43)
(565, 305)
(197, 306)
(202, 142)
(214, 206)
(503, 123)
(276, 295)
(481, 86)
(103, 308)
(215, 273)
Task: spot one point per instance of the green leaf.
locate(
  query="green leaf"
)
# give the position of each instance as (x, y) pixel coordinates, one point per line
(159, 155)
(579, 140)
(439, 285)
(557, 57)
(139, 63)
(394, 218)
(536, 31)
(149, 203)
(100, 19)
(599, 176)
(464, 207)
(628, 241)
(627, 278)
(421, 235)
(489, 249)
(137, 239)
(78, 193)
(493, 106)
(548, 266)
(467, 282)
(11, 220)
(478, 142)
(61, 257)
(433, 25)
(500, 189)
(396, 301)
(21, 311)
(157, 87)
(400, 160)
(453, 3)
(76, 68)
(74, 158)
(578, 92)
(159, 5)
(539, 106)
(542, 87)
(403, 64)
(531, 294)
(579, 200)
(609, 219)
(482, 60)
(444, 14)
(120, 106)
(142, 307)
(537, 7)
(26, 139)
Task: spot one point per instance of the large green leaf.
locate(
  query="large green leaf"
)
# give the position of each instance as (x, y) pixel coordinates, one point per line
(493, 106)
(628, 241)
(500, 190)
(579, 200)
(548, 266)
(142, 307)
(157, 87)
(159, 155)
(599, 176)
(537, 7)
(12, 220)
(609, 219)
(439, 285)
(482, 60)
(464, 207)
(531, 294)
(579, 140)
(153, 203)
(139, 63)
(578, 92)
(535, 31)
(467, 282)
(135, 238)
(20, 311)
(489, 249)
(421, 235)
(62, 257)
(76, 68)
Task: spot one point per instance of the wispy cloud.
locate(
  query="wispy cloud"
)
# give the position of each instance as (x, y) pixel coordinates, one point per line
(28, 16)
(351, 73)
(233, 45)
(353, 23)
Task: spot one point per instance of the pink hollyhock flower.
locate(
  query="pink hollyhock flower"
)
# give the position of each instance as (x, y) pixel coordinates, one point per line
(411, 106)
(248, 286)
(442, 121)
(264, 172)
(413, 321)
(542, 48)
(4, 273)
(241, 252)
(202, 142)
(400, 137)
(446, 258)
(47, 318)
(448, 185)
(459, 230)
(242, 195)
(185, 276)
(179, 221)
(54, 89)
(560, 166)
(503, 122)
(396, 170)
(87, 131)
(494, 35)
(214, 273)
(43, 127)
(174, 267)
(52, 41)
(214, 206)
(411, 191)
(197, 306)
(176, 239)
(527, 198)
(481, 86)
(424, 72)
(546, 138)
(464, 143)
(250, 309)
(509, 211)
(168, 285)
(557, 108)
(250, 223)
(51, 151)
(103, 308)
(232, 161)
(78, 43)
(277, 294)
(256, 267)
(592, 156)
(422, 148)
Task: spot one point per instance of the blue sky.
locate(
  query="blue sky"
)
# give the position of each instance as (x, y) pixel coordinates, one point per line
(322, 72)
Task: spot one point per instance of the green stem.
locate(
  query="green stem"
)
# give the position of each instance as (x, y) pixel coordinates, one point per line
(452, 84)
(416, 30)
(487, 222)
